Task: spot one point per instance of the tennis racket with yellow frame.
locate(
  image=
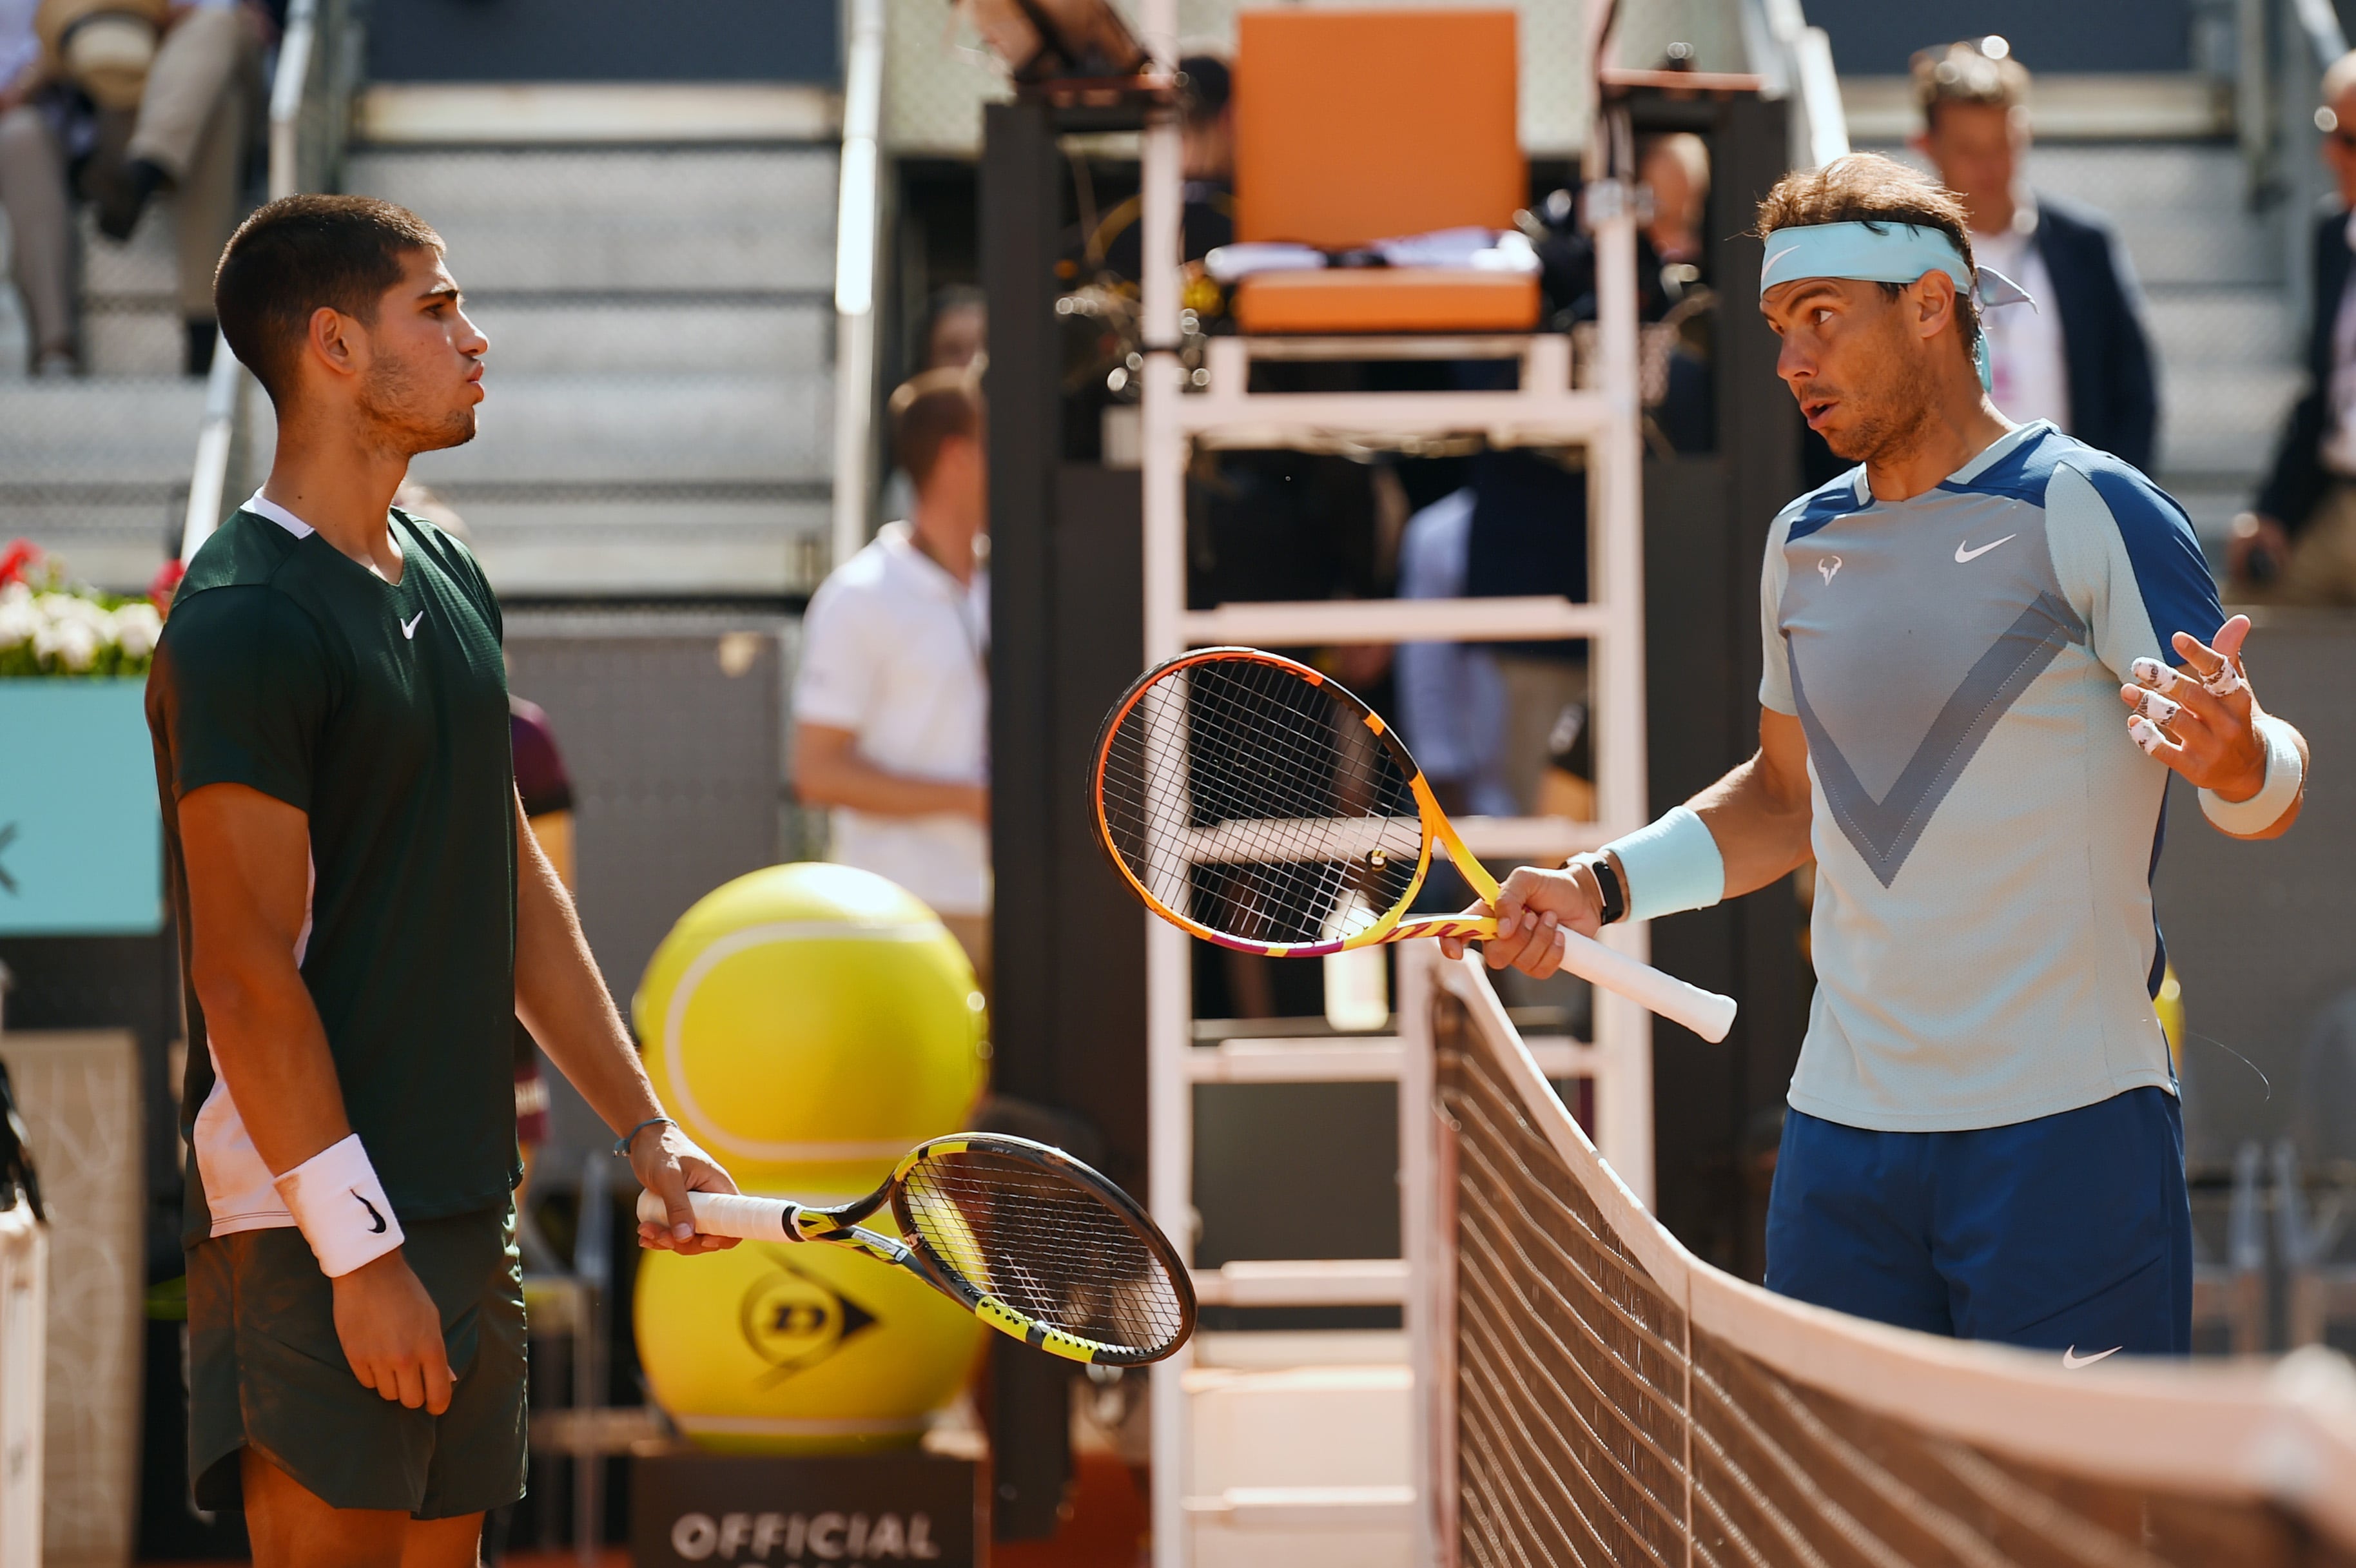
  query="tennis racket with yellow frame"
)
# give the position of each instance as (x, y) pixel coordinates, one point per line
(1026, 1237)
(1260, 805)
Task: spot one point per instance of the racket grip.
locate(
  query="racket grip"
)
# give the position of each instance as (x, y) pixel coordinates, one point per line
(727, 1214)
(1706, 1013)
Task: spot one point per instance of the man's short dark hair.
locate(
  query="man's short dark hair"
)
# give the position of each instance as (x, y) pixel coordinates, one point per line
(1866, 187)
(1207, 89)
(1974, 70)
(929, 409)
(298, 253)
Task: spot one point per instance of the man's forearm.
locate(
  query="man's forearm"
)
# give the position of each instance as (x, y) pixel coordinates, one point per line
(863, 786)
(562, 999)
(828, 771)
(265, 1034)
(1761, 829)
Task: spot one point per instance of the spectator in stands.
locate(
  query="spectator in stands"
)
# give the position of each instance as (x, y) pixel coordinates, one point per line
(33, 192)
(2297, 545)
(141, 96)
(892, 707)
(1675, 169)
(1206, 163)
(1452, 699)
(2081, 358)
(955, 335)
(957, 328)
(546, 790)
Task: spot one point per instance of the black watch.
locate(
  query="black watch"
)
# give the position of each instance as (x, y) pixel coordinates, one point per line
(1607, 883)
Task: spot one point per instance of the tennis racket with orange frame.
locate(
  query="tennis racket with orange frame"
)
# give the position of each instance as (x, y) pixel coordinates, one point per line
(1259, 804)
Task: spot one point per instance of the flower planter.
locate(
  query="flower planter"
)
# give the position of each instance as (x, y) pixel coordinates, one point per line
(81, 841)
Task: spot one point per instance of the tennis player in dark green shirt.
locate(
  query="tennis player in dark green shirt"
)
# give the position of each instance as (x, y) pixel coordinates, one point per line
(362, 917)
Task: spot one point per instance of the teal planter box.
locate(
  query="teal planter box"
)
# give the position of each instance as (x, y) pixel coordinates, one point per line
(81, 841)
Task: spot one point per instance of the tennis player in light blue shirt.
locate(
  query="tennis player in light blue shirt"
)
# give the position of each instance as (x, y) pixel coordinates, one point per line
(1986, 648)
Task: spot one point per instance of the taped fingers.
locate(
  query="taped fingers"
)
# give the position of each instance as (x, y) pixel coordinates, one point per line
(2216, 670)
(2154, 741)
(2150, 704)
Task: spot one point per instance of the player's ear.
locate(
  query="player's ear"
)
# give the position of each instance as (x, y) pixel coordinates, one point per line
(334, 341)
(1934, 302)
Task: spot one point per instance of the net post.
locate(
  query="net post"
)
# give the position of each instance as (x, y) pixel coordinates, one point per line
(1427, 1215)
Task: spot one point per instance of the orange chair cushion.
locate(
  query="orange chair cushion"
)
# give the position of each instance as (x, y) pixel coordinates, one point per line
(1386, 299)
(1359, 125)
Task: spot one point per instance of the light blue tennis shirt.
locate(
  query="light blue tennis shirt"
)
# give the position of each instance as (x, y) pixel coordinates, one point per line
(1985, 829)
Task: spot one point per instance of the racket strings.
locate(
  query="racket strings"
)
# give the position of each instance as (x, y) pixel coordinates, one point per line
(1255, 802)
(1046, 1245)
(1267, 752)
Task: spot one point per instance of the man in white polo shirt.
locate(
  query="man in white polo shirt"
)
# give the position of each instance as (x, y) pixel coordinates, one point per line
(892, 710)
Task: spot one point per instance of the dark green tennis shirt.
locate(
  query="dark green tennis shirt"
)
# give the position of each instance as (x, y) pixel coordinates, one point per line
(382, 711)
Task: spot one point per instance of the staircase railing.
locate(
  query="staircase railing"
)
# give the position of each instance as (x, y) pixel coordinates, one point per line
(1796, 61)
(855, 265)
(2282, 155)
(310, 120)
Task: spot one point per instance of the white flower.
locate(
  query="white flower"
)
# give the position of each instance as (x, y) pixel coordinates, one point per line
(19, 620)
(71, 641)
(136, 627)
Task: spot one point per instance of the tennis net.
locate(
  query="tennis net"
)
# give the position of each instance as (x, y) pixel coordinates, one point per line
(1599, 1395)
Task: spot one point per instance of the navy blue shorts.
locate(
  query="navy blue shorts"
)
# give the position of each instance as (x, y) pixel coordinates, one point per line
(2072, 1233)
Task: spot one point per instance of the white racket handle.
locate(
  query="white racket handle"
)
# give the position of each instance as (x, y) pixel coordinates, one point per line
(727, 1214)
(1706, 1013)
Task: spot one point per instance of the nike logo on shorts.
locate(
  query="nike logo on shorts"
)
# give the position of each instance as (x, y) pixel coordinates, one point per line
(376, 1220)
(1962, 555)
(2070, 1358)
(408, 627)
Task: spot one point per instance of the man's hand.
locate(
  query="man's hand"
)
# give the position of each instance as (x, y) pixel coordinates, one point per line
(391, 1333)
(2256, 548)
(2207, 736)
(1531, 907)
(669, 1165)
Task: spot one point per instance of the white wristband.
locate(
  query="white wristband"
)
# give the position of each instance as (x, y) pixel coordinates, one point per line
(340, 1208)
(2283, 776)
(1672, 865)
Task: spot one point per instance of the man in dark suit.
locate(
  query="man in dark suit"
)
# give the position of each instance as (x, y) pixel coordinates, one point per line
(2081, 358)
(2297, 544)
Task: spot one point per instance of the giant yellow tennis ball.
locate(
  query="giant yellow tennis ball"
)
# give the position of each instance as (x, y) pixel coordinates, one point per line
(798, 1350)
(808, 1024)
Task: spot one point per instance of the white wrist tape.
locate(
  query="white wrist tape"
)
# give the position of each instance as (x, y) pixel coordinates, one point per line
(2283, 776)
(1672, 865)
(340, 1207)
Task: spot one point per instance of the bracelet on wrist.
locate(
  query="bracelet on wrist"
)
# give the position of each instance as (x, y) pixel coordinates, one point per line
(622, 1144)
(1611, 895)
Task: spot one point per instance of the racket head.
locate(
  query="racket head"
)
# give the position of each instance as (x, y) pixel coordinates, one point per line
(1042, 1247)
(1260, 805)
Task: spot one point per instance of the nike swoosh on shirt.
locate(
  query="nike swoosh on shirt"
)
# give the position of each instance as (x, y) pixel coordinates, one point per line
(408, 627)
(1962, 555)
(2070, 1358)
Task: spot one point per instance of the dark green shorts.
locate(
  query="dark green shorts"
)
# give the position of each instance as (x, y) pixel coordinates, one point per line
(265, 1369)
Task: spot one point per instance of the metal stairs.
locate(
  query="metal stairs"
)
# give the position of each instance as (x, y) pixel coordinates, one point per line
(660, 385)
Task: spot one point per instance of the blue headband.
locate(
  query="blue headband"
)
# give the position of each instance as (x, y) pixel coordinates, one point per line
(1885, 254)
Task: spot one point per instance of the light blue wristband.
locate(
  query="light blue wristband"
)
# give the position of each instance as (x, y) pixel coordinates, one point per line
(1671, 865)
